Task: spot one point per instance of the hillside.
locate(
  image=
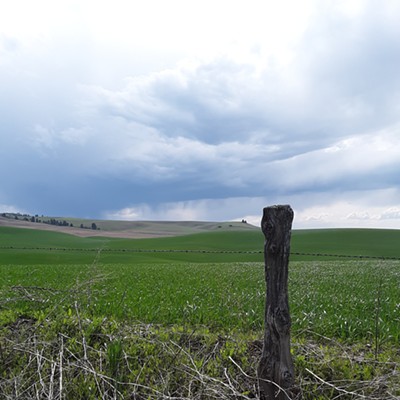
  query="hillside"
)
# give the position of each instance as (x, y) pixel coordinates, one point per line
(120, 229)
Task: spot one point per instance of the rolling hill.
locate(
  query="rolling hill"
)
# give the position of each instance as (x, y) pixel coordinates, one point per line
(121, 229)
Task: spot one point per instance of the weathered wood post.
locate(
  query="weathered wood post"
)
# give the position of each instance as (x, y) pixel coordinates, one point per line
(276, 370)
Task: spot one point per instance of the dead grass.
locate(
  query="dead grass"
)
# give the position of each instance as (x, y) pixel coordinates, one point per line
(99, 359)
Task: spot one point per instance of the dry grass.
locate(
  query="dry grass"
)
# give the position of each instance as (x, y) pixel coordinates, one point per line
(75, 357)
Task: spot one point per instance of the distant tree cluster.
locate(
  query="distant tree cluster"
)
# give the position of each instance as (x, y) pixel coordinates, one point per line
(93, 226)
(23, 217)
(56, 222)
(51, 221)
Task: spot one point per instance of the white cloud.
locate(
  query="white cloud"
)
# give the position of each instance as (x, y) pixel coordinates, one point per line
(201, 210)
(75, 136)
(48, 140)
(313, 210)
(43, 137)
(391, 213)
(7, 208)
(360, 216)
(363, 161)
(360, 209)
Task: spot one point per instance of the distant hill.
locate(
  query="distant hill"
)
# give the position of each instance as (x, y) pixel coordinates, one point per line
(121, 229)
(306, 245)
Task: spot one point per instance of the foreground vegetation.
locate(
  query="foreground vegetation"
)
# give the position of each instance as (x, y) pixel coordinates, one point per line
(111, 318)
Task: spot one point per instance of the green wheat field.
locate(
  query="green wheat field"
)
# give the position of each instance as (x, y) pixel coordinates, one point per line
(182, 316)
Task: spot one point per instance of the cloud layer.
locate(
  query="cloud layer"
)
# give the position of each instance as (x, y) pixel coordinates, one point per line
(205, 126)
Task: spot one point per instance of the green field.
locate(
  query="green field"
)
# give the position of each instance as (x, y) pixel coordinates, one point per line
(199, 292)
(43, 247)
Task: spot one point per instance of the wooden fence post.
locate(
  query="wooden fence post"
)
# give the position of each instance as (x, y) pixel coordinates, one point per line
(276, 370)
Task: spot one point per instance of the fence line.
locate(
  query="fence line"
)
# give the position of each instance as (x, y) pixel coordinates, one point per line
(292, 253)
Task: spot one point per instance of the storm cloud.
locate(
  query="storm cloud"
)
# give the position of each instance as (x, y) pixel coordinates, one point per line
(116, 127)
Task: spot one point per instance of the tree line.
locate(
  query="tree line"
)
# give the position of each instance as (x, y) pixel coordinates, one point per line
(50, 221)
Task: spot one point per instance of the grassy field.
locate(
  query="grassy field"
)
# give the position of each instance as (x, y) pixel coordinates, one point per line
(36, 246)
(116, 317)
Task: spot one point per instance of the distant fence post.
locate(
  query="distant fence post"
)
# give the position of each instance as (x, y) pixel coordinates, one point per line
(276, 370)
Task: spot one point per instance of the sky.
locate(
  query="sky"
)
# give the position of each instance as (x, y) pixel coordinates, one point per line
(201, 110)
